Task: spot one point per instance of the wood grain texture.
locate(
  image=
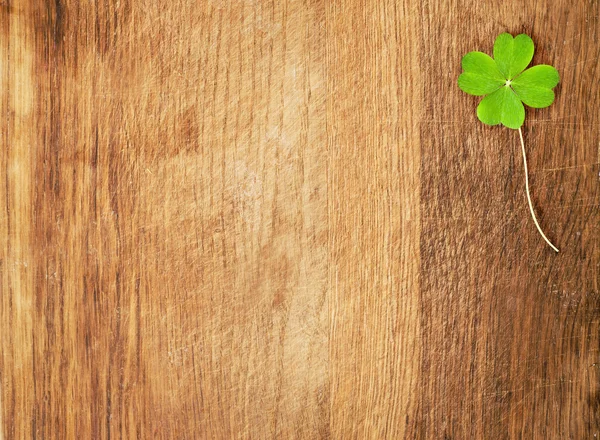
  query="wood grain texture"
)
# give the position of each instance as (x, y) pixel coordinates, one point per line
(252, 219)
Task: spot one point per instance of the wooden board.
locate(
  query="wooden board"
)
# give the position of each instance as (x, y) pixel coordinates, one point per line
(251, 219)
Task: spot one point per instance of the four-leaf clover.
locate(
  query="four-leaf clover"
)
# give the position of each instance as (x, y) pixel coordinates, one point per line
(505, 83)
(506, 86)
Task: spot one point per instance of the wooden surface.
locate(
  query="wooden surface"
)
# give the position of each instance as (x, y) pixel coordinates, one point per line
(256, 219)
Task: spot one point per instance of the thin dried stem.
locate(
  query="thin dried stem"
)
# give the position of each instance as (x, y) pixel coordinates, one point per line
(529, 197)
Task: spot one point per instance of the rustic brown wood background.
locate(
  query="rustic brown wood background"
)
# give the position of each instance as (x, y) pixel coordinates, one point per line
(256, 219)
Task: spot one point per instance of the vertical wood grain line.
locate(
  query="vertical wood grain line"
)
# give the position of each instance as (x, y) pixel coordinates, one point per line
(374, 219)
(4, 115)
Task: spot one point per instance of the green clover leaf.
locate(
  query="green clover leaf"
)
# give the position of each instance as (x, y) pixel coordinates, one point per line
(505, 83)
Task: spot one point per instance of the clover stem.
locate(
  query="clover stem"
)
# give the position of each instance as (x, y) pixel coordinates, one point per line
(529, 197)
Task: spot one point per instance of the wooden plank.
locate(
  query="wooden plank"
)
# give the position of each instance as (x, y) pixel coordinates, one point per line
(511, 329)
(167, 219)
(17, 301)
(374, 162)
